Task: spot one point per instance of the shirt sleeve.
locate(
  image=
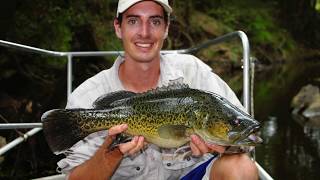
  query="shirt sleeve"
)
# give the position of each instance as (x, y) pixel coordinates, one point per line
(84, 149)
(223, 89)
(82, 97)
(81, 152)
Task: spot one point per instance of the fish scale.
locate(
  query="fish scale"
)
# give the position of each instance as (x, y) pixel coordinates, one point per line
(165, 116)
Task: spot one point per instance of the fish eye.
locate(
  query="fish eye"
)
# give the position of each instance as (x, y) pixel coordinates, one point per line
(236, 122)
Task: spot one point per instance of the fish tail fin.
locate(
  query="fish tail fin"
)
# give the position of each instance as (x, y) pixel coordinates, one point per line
(61, 129)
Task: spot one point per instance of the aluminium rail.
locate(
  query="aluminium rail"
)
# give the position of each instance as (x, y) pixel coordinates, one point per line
(38, 126)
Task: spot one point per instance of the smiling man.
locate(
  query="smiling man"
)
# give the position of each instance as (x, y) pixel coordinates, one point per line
(142, 25)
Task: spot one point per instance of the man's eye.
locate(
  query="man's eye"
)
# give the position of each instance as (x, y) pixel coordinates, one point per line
(132, 21)
(156, 22)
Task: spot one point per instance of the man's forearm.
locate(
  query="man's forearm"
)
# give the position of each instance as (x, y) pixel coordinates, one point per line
(101, 166)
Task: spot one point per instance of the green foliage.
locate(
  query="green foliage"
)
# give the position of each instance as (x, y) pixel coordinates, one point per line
(262, 25)
(259, 20)
(56, 25)
(43, 26)
(88, 25)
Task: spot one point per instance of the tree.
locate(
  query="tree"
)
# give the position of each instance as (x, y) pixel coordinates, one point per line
(302, 18)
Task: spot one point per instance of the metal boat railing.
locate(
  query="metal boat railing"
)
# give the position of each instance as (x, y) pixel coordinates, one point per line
(38, 126)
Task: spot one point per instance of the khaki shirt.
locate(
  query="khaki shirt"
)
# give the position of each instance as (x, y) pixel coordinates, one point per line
(153, 163)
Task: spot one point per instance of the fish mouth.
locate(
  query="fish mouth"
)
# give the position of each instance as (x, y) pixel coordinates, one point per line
(248, 136)
(253, 129)
(243, 138)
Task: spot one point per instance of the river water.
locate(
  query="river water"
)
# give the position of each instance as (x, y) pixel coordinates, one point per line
(290, 150)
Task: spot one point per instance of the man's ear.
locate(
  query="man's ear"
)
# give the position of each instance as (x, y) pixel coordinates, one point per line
(117, 28)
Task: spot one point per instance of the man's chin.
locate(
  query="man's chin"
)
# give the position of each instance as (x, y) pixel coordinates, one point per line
(143, 58)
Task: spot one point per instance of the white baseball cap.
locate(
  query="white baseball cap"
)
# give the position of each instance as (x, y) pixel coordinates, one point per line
(123, 5)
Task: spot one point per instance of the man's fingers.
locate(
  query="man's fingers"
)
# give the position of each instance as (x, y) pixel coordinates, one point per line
(195, 151)
(112, 132)
(216, 148)
(117, 129)
(126, 147)
(138, 147)
(199, 147)
(133, 146)
(200, 144)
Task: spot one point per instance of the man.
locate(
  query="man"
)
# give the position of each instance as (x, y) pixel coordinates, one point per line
(142, 25)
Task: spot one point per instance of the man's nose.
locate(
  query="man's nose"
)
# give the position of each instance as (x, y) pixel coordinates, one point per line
(145, 30)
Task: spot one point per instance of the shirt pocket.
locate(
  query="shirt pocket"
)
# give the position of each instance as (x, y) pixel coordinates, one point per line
(178, 164)
(131, 167)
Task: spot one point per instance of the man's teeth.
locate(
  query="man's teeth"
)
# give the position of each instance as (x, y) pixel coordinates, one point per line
(143, 45)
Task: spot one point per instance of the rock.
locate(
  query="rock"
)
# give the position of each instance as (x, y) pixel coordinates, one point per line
(313, 110)
(304, 97)
(306, 105)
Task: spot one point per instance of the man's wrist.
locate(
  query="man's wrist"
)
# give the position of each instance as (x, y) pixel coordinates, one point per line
(112, 160)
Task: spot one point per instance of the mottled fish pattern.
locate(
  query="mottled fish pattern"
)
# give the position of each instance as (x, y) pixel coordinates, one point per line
(165, 116)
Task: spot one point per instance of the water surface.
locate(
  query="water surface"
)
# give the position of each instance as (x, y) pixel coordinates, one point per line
(290, 150)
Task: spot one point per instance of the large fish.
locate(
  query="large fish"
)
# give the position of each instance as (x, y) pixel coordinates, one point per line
(166, 117)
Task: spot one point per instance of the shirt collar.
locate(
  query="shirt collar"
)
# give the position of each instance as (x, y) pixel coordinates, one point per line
(168, 72)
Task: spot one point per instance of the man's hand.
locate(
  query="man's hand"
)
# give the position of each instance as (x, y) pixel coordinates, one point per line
(199, 147)
(129, 148)
(105, 161)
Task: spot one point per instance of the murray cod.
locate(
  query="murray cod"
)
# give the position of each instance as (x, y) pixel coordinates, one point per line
(166, 117)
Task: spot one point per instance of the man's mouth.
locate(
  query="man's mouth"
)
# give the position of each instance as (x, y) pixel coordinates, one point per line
(144, 45)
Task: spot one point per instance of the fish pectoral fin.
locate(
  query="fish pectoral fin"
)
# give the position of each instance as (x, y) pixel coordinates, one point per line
(172, 131)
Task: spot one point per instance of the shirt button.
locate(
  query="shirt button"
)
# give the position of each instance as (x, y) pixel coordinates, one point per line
(138, 168)
(168, 164)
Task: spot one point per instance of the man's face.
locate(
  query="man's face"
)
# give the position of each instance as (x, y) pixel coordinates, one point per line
(143, 30)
